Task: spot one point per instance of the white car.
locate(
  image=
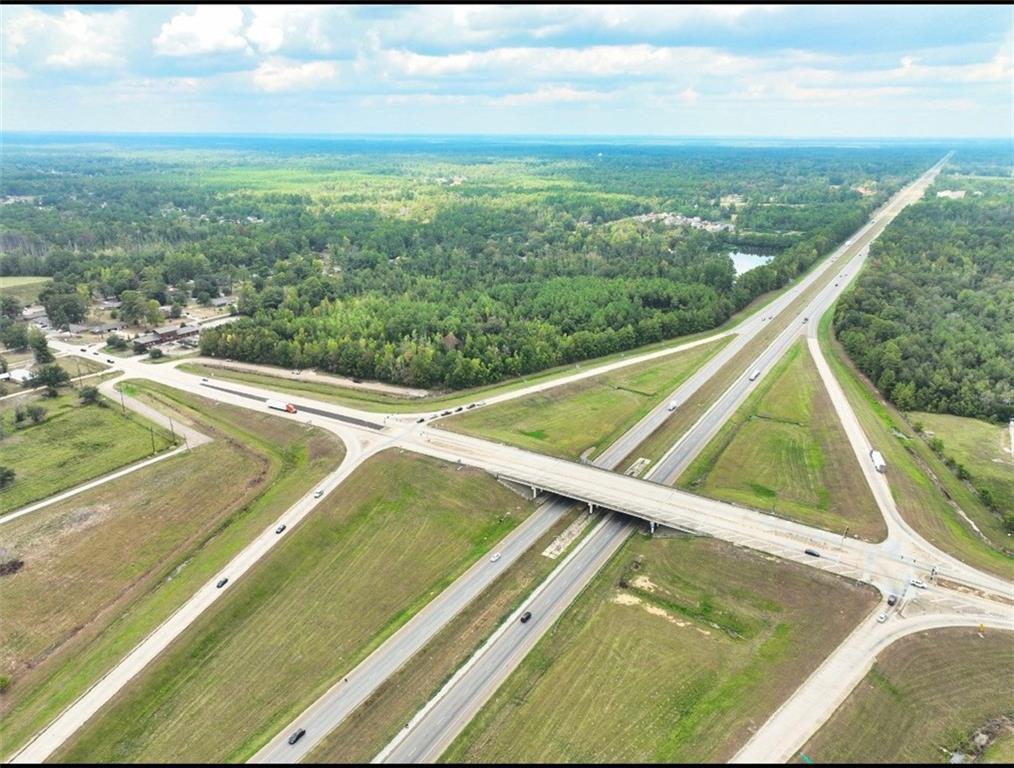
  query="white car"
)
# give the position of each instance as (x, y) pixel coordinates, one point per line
(496, 556)
(917, 584)
(882, 618)
(672, 406)
(318, 493)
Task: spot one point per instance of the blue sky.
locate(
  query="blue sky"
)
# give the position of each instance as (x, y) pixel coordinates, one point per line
(807, 71)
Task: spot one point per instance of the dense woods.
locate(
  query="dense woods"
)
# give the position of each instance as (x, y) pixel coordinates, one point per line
(433, 264)
(931, 319)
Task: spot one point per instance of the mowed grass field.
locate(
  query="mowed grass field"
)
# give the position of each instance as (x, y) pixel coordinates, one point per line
(568, 420)
(983, 448)
(674, 653)
(397, 531)
(367, 730)
(785, 452)
(101, 570)
(926, 696)
(920, 483)
(24, 288)
(74, 444)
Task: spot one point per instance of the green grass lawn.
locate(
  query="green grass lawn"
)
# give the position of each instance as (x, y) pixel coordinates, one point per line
(674, 653)
(367, 730)
(592, 413)
(74, 444)
(23, 288)
(926, 696)
(396, 532)
(918, 479)
(785, 452)
(80, 605)
(982, 447)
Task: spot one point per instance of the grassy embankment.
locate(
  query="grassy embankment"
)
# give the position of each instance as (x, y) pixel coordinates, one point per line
(79, 605)
(75, 443)
(983, 448)
(918, 479)
(925, 697)
(399, 530)
(566, 421)
(674, 653)
(785, 452)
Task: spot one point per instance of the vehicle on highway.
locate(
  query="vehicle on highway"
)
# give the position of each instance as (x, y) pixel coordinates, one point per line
(420, 420)
(357, 381)
(805, 319)
(892, 599)
(318, 493)
(526, 616)
(917, 584)
(496, 556)
(445, 413)
(109, 360)
(459, 409)
(755, 374)
(221, 583)
(279, 529)
(812, 552)
(297, 736)
(295, 372)
(882, 618)
(878, 461)
(470, 406)
(278, 405)
(83, 349)
(204, 380)
(95, 352)
(672, 405)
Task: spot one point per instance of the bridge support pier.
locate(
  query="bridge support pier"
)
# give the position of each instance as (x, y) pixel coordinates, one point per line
(591, 508)
(651, 523)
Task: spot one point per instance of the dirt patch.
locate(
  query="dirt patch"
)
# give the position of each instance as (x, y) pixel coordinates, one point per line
(625, 598)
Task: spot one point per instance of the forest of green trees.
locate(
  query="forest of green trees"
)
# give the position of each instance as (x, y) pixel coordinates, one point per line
(931, 318)
(431, 265)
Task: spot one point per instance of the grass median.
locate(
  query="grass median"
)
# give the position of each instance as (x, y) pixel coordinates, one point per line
(393, 535)
(784, 452)
(587, 415)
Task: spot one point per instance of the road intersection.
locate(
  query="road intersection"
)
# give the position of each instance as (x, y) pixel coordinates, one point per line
(889, 566)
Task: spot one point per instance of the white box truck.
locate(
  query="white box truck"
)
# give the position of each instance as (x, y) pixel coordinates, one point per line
(878, 461)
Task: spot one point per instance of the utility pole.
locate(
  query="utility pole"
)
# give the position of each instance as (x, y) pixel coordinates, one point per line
(846, 533)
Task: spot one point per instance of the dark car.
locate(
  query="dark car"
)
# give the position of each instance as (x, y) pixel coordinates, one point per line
(110, 360)
(445, 413)
(459, 409)
(526, 616)
(420, 420)
(279, 529)
(297, 735)
(892, 599)
(471, 406)
(357, 381)
(812, 552)
(221, 583)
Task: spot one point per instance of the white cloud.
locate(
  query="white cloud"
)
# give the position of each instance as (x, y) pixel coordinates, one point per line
(690, 96)
(276, 26)
(69, 40)
(277, 74)
(547, 94)
(209, 29)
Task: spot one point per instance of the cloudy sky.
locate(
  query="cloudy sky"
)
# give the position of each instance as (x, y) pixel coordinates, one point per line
(933, 71)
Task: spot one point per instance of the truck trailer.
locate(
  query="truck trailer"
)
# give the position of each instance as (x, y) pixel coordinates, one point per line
(278, 405)
(878, 461)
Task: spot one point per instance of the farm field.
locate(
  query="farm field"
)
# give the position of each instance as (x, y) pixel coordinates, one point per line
(784, 452)
(75, 443)
(926, 696)
(674, 653)
(983, 448)
(368, 730)
(96, 605)
(24, 288)
(399, 530)
(918, 479)
(589, 415)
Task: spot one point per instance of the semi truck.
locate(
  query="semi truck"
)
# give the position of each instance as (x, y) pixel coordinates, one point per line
(878, 461)
(278, 405)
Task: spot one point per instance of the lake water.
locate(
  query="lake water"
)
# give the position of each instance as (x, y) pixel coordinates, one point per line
(744, 262)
